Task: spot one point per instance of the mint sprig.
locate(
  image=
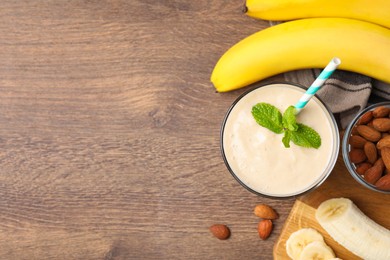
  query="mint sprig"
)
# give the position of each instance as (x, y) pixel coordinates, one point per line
(289, 119)
(269, 116)
(306, 136)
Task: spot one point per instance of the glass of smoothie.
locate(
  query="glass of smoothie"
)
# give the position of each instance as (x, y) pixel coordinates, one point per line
(257, 157)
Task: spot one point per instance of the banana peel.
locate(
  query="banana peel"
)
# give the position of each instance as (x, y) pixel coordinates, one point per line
(374, 11)
(363, 48)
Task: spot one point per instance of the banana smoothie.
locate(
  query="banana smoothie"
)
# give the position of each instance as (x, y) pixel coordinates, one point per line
(258, 158)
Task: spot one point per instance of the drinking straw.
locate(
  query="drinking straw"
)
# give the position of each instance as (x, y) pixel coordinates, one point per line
(317, 84)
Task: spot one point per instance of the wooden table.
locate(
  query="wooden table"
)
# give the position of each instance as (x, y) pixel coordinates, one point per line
(109, 132)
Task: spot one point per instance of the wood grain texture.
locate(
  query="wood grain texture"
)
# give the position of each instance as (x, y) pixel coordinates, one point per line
(109, 132)
(339, 184)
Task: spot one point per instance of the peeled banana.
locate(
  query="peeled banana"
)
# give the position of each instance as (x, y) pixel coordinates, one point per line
(374, 11)
(308, 43)
(351, 228)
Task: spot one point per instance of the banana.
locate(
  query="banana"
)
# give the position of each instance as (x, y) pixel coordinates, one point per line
(308, 43)
(351, 228)
(299, 239)
(317, 250)
(374, 11)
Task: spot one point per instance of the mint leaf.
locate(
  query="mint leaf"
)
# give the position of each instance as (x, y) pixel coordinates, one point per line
(306, 136)
(289, 119)
(268, 116)
(286, 138)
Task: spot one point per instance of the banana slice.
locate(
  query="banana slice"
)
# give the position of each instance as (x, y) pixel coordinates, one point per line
(317, 250)
(299, 239)
(351, 228)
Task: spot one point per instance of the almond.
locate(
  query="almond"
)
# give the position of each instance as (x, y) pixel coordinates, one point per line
(385, 152)
(381, 111)
(380, 163)
(363, 167)
(357, 141)
(357, 155)
(383, 183)
(381, 124)
(354, 131)
(265, 211)
(373, 174)
(384, 142)
(220, 231)
(370, 151)
(365, 118)
(369, 133)
(264, 228)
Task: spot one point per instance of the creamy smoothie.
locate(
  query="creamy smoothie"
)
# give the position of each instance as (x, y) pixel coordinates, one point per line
(257, 156)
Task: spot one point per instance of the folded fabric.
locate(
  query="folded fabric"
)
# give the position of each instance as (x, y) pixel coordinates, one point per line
(345, 93)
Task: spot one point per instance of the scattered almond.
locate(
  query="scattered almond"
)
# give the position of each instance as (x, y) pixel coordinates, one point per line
(266, 212)
(220, 231)
(265, 228)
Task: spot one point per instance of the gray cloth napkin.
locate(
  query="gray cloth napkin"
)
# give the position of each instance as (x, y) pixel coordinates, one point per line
(345, 93)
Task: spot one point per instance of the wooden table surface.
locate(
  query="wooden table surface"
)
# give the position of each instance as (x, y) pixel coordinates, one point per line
(109, 132)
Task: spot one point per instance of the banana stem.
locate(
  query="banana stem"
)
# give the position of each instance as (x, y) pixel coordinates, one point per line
(244, 8)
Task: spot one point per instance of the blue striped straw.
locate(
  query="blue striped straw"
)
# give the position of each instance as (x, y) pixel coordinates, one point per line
(317, 84)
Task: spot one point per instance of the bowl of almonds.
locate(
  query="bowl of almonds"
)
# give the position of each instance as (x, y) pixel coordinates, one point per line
(366, 147)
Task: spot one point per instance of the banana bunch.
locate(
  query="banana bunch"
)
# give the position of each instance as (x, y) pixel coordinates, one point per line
(363, 47)
(351, 228)
(374, 11)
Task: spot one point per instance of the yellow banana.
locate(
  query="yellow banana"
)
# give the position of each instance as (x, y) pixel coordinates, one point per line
(375, 11)
(352, 229)
(308, 43)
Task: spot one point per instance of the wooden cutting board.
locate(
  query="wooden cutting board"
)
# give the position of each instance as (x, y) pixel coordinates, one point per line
(339, 184)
